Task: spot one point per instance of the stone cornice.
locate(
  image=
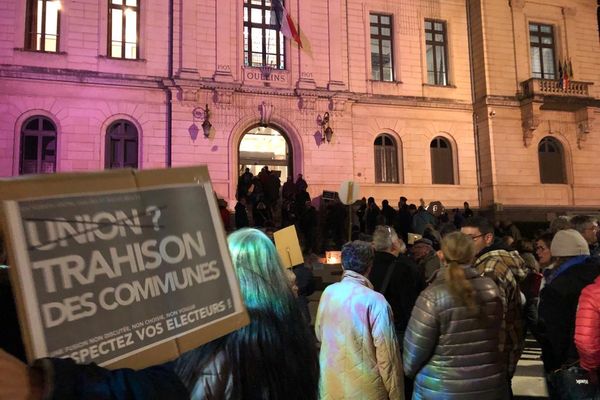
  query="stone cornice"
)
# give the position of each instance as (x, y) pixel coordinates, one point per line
(223, 90)
(79, 76)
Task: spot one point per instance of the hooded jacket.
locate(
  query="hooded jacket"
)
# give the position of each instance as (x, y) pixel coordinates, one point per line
(359, 357)
(452, 351)
(587, 326)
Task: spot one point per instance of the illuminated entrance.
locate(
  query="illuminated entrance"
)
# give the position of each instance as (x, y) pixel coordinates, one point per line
(265, 146)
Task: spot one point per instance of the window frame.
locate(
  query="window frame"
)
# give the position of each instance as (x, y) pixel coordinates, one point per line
(31, 16)
(109, 40)
(435, 44)
(383, 176)
(436, 175)
(280, 45)
(546, 142)
(112, 133)
(539, 34)
(39, 133)
(380, 38)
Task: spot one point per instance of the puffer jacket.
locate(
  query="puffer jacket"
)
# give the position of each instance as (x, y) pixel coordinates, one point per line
(587, 327)
(452, 351)
(359, 357)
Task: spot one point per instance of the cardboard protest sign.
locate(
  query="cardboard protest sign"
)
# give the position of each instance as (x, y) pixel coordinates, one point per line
(121, 269)
(288, 246)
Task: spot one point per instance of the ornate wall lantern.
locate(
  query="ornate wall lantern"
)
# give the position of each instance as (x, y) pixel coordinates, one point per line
(326, 131)
(203, 113)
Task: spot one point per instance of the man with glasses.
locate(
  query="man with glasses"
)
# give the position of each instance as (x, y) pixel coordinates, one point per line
(493, 260)
(588, 227)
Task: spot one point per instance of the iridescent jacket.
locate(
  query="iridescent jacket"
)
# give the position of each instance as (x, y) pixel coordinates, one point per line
(359, 357)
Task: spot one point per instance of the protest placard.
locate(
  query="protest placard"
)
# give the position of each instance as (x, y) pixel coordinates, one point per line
(131, 276)
(288, 246)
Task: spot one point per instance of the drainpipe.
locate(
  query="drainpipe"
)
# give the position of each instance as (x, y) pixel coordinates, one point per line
(473, 99)
(168, 89)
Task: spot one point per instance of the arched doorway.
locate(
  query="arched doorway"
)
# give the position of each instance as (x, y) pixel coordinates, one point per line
(265, 146)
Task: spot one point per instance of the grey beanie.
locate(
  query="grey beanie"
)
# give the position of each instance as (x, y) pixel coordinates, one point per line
(569, 243)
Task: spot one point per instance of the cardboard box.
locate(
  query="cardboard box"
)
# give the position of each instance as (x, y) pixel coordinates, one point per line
(124, 268)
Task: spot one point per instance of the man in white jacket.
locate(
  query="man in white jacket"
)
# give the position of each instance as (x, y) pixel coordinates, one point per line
(360, 357)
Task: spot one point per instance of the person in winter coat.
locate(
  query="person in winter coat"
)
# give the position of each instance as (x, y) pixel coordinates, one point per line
(505, 268)
(274, 357)
(451, 344)
(359, 357)
(587, 328)
(405, 281)
(574, 269)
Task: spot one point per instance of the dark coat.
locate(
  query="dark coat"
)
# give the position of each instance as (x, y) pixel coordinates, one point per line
(70, 381)
(557, 311)
(10, 334)
(404, 286)
(452, 351)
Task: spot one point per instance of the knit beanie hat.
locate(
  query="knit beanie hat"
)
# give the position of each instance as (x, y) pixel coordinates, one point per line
(568, 243)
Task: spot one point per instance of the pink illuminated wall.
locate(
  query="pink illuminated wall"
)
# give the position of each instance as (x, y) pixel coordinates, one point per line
(83, 91)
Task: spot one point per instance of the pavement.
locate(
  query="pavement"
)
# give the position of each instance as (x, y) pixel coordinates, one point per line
(528, 382)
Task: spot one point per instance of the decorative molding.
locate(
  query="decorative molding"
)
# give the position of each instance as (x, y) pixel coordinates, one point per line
(266, 111)
(189, 94)
(336, 86)
(585, 123)
(308, 103)
(338, 104)
(531, 119)
(223, 96)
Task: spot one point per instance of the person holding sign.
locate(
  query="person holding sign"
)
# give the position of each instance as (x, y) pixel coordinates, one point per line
(246, 364)
(274, 357)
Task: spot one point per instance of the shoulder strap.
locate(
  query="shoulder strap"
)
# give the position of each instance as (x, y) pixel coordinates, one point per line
(388, 277)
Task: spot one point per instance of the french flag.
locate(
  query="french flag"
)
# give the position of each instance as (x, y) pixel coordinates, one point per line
(283, 22)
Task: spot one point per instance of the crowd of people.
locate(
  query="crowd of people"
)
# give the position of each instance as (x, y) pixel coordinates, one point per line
(442, 316)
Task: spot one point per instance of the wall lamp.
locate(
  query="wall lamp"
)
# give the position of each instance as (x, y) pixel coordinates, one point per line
(326, 131)
(204, 113)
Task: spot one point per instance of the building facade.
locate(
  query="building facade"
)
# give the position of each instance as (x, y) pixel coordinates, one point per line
(447, 100)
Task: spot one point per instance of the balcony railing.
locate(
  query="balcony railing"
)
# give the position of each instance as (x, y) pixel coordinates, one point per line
(551, 87)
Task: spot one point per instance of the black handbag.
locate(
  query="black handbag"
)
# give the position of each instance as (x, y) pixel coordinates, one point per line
(571, 382)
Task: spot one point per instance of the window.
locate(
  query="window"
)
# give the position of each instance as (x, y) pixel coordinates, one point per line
(541, 48)
(442, 164)
(386, 159)
(437, 57)
(263, 45)
(121, 145)
(552, 164)
(42, 25)
(123, 29)
(381, 48)
(38, 146)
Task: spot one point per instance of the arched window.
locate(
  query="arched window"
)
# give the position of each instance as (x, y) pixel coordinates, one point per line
(38, 146)
(386, 159)
(121, 145)
(552, 162)
(442, 164)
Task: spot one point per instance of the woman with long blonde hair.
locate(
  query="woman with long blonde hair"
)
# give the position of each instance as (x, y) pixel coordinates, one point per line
(451, 343)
